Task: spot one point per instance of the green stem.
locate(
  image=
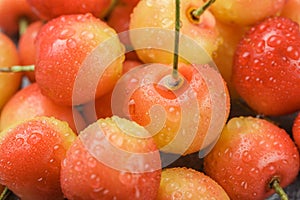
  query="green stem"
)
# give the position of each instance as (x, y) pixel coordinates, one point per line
(17, 68)
(5, 193)
(278, 189)
(23, 24)
(176, 44)
(198, 12)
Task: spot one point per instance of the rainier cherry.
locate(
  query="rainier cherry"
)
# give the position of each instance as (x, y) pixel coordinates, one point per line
(184, 183)
(29, 102)
(178, 116)
(245, 12)
(31, 153)
(252, 158)
(63, 45)
(266, 67)
(151, 36)
(112, 158)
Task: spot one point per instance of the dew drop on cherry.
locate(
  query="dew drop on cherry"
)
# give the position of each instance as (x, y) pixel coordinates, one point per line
(34, 138)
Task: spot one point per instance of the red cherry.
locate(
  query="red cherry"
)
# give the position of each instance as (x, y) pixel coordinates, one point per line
(50, 9)
(27, 47)
(266, 67)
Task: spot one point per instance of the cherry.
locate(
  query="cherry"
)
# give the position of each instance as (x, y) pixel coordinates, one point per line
(252, 158)
(31, 153)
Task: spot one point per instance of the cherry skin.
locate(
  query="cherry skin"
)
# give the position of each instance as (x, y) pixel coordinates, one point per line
(244, 13)
(33, 150)
(185, 183)
(29, 102)
(14, 12)
(9, 57)
(291, 10)
(27, 47)
(47, 10)
(223, 57)
(296, 130)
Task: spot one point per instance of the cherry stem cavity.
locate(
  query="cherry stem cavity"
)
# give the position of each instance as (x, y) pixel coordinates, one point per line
(176, 44)
(5, 193)
(274, 184)
(17, 68)
(198, 12)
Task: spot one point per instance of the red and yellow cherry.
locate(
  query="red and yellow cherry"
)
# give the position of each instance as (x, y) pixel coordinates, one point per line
(113, 158)
(12, 13)
(9, 82)
(69, 49)
(27, 47)
(153, 37)
(47, 10)
(252, 158)
(186, 183)
(29, 102)
(31, 153)
(178, 116)
(246, 13)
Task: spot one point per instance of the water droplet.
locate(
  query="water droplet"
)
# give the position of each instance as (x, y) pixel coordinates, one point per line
(292, 53)
(149, 3)
(244, 184)
(177, 195)
(78, 166)
(40, 179)
(95, 183)
(71, 43)
(260, 46)
(19, 142)
(238, 170)
(66, 33)
(246, 157)
(34, 138)
(87, 35)
(274, 41)
(166, 23)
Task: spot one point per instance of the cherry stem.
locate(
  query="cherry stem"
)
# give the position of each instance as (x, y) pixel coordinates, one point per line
(5, 193)
(278, 189)
(17, 68)
(176, 45)
(23, 24)
(198, 12)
